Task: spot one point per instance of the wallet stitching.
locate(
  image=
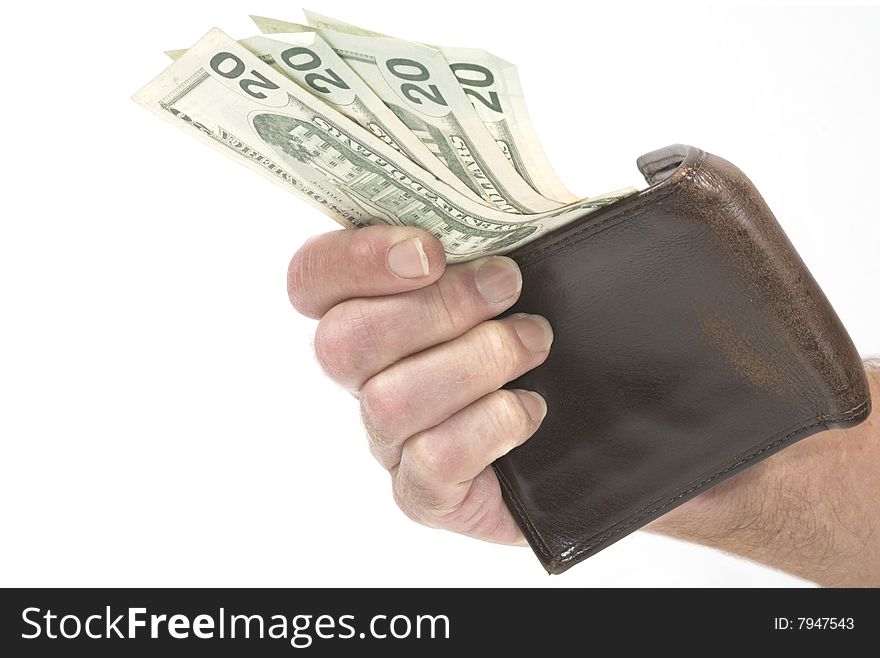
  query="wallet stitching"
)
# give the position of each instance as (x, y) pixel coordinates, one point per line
(575, 551)
(531, 529)
(576, 237)
(568, 555)
(589, 230)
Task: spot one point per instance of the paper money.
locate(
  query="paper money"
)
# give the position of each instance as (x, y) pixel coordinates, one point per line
(415, 81)
(309, 61)
(493, 87)
(227, 97)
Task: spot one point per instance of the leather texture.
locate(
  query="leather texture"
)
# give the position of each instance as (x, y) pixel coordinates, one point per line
(690, 343)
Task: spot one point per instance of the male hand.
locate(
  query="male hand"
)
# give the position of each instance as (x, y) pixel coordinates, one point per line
(415, 341)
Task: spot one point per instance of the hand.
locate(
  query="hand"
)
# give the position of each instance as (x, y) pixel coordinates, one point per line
(414, 341)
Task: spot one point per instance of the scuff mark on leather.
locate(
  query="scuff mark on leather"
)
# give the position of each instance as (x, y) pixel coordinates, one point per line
(741, 350)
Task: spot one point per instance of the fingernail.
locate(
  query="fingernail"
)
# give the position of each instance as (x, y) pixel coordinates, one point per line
(534, 332)
(498, 279)
(408, 260)
(535, 405)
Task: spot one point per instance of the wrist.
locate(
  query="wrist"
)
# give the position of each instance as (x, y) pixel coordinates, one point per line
(809, 510)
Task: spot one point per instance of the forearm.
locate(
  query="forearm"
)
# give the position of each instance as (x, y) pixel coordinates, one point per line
(812, 510)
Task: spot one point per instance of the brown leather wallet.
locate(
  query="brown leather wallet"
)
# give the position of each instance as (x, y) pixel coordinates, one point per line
(690, 343)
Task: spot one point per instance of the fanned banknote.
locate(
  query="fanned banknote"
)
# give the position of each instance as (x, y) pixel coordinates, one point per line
(226, 96)
(416, 83)
(308, 60)
(375, 130)
(493, 87)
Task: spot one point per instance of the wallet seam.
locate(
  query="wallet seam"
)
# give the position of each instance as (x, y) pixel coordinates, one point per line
(632, 212)
(576, 550)
(563, 554)
(579, 548)
(532, 530)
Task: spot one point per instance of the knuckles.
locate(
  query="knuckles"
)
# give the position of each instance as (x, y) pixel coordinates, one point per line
(299, 278)
(387, 398)
(447, 303)
(333, 256)
(508, 416)
(345, 341)
(382, 404)
(494, 347)
(422, 504)
(433, 459)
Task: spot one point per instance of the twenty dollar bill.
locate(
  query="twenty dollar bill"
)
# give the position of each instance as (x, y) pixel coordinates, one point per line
(416, 83)
(224, 95)
(493, 87)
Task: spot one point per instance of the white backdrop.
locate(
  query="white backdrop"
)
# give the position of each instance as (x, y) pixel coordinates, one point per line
(162, 419)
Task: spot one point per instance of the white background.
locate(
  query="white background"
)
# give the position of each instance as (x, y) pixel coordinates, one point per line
(162, 419)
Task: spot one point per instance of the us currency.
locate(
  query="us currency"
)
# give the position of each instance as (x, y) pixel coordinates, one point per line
(493, 87)
(309, 61)
(224, 95)
(415, 81)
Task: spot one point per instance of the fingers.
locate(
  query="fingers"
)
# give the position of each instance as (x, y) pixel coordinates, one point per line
(443, 479)
(371, 261)
(358, 338)
(456, 450)
(427, 388)
(417, 343)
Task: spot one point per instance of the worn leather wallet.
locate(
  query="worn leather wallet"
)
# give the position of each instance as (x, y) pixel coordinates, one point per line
(690, 342)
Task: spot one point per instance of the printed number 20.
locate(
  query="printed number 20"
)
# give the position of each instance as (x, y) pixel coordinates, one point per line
(312, 61)
(220, 65)
(486, 79)
(407, 69)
